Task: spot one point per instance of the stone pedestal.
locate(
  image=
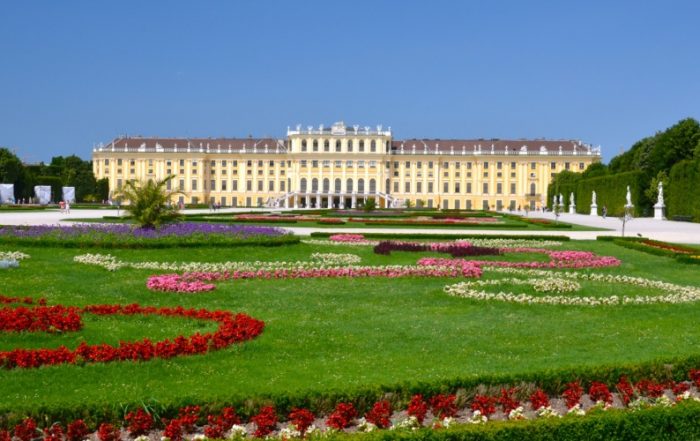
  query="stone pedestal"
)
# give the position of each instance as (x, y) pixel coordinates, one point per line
(659, 211)
(594, 209)
(572, 209)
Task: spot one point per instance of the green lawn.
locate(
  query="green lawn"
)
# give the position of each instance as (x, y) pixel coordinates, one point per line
(332, 334)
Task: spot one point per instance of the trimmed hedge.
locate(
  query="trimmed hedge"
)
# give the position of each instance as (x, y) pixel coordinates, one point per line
(676, 423)
(610, 190)
(684, 190)
(177, 242)
(551, 381)
(635, 243)
(324, 234)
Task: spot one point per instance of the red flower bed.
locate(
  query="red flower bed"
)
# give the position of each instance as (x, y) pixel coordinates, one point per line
(40, 318)
(302, 419)
(668, 247)
(455, 250)
(342, 416)
(418, 408)
(265, 421)
(380, 414)
(232, 329)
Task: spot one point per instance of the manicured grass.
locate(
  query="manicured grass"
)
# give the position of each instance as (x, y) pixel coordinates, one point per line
(331, 334)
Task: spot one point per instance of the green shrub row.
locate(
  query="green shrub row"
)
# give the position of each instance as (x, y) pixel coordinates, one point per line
(675, 423)
(610, 190)
(635, 243)
(456, 225)
(194, 241)
(324, 234)
(322, 402)
(684, 190)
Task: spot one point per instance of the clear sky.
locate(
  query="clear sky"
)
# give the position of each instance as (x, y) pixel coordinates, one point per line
(76, 73)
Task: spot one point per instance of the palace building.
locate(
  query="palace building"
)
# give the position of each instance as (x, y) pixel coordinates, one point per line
(342, 167)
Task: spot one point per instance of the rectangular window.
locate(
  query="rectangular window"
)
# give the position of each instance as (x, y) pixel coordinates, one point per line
(419, 164)
(469, 165)
(445, 187)
(567, 165)
(314, 164)
(260, 185)
(499, 165)
(512, 188)
(486, 165)
(372, 164)
(303, 163)
(249, 185)
(282, 186)
(430, 187)
(326, 163)
(430, 164)
(234, 185)
(512, 165)
(581, 166)
(213, 185)
(499, 188)
(469, 187)
(457, 189)
(271, 186)
(533, 165)
(407, 186)
(338, 164)
(408, 164)
(348, 163)
(486, 188)
(553, 165)
(182, 185)
(419, 187)
(396, 187)
(194, 185)
(361, 164)
(223, 185)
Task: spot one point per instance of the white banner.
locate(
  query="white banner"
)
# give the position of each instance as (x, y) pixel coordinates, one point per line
(43, 193)
(7, 193)
(69, 194)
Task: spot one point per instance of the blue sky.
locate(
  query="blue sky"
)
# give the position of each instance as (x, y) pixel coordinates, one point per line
(74, 73)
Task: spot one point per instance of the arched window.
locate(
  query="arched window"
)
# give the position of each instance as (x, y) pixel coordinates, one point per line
(373, 146)
(372, 186)
(337, 185)
(315, 145)
(326, 146)
(348, 186)
(362, 146)
(337, 145)
(350, 145)
(326, 185)
(303, 145)
(303, 185)
(533, 189)
(360, 185)
(314, 185)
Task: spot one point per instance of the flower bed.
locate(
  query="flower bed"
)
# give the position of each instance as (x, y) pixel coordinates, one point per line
(430, 221)
(232, 329)
(171, 282)
(438, 411)
(566, 282)
(318, 260)
(127, 236)
(40, 318)
(456, 249)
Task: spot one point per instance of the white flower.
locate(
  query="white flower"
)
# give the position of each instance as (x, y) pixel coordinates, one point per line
(577, 410)
(164, 438)
(197, 437)
(365, 426)
(517, 414)
(409, 423)
(687, 396)
(141, 438)
(663, 401)
(547, 412)
(237, 431)
(477, 418)
(289, 432)
(638, 404)
(13, 255)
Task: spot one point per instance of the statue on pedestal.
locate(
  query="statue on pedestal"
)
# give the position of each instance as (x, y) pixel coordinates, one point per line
(594, 198)
(594, 204)
(659, 206)
(629, 198)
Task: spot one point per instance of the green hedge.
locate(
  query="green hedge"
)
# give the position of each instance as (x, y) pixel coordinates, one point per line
(611, 191)
(324, 234)
(165, 242)
(447, 225)
(551, 381)
(683, 194)
(676, 423)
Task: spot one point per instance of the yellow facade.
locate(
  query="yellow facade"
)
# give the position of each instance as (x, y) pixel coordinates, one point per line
(342, 167)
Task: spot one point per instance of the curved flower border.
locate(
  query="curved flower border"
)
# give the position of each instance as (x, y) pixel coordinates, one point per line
(675, 294)
(232, 329)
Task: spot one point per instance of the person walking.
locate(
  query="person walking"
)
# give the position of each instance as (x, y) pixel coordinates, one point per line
(605, 211)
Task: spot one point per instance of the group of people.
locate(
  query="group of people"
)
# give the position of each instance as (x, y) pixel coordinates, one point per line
(64, 207)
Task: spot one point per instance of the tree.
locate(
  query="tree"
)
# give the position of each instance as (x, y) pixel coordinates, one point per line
(370, 205)
(149, 202)
(652, 192)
